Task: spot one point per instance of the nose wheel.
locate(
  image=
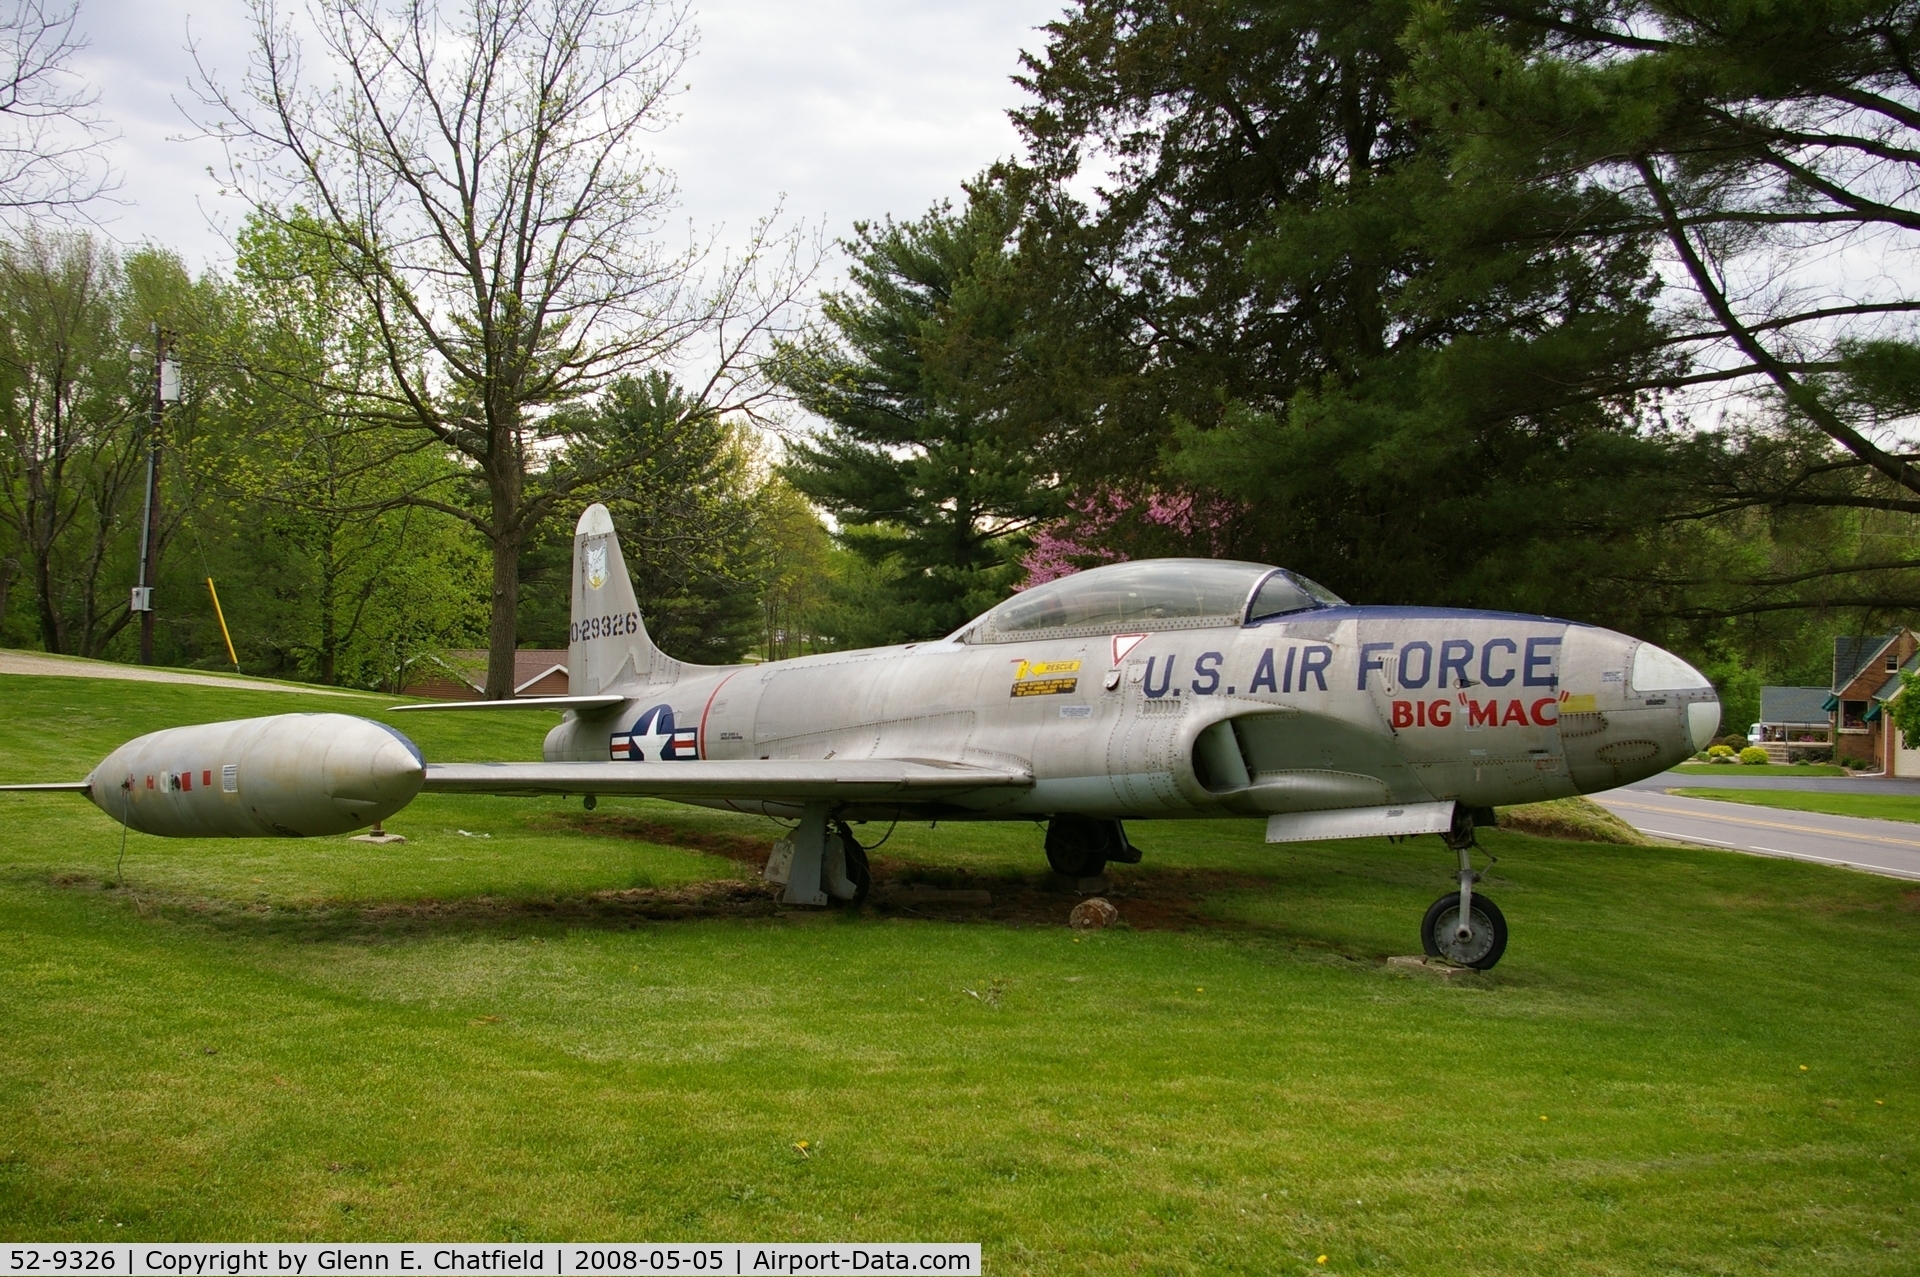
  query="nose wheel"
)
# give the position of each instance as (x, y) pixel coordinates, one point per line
(1463, 927)
(1477, 945)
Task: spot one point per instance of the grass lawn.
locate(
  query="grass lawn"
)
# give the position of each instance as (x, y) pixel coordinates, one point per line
(1873, 806)
(1758, 769)
(585, 1028)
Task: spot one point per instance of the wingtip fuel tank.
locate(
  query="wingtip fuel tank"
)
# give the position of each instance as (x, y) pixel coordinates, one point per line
(289, 775)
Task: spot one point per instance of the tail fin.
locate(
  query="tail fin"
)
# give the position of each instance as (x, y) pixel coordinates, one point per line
(607, 642)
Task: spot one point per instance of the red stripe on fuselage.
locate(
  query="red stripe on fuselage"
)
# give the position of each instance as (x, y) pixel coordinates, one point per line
(700, 738)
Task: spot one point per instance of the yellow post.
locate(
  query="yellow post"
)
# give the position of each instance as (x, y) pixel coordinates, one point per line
(222, 618)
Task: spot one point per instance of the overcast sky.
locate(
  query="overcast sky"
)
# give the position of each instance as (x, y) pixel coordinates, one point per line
(850, 108)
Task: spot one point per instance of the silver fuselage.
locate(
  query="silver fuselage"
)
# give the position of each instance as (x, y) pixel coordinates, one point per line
(1339, 707)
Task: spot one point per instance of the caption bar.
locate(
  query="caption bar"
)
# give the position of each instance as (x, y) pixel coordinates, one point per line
(507, 1259)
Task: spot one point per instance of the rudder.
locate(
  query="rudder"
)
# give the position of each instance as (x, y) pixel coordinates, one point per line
(607, 642)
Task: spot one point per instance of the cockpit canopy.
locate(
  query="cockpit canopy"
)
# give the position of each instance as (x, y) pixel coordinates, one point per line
(1149, 594)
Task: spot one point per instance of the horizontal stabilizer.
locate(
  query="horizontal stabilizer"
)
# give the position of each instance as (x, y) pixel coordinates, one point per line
(53, 787)
(523, 702)
(773, 780)
(1361, 822)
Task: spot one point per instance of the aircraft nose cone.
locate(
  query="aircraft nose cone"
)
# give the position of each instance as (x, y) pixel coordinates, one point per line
(1703, 722)
(1656, 670)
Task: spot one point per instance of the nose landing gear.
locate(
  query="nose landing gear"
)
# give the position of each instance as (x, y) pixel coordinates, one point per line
(1462, 927)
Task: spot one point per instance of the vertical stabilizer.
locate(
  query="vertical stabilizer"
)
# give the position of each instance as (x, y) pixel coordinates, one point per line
(607, 642)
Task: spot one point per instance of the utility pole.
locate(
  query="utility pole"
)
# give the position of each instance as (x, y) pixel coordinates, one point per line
(166, 389)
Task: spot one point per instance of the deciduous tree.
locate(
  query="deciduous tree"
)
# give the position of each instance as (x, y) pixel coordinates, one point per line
(51, 139)
(74, 396)
(477, 170)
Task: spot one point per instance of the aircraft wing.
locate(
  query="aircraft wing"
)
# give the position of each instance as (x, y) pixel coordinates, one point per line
(521, 702)
(864, 779)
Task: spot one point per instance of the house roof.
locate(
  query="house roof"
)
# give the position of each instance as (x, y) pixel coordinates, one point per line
(1803, 706)
(530, 665)
(521, 685)
(1891, 688)
(1852, 653)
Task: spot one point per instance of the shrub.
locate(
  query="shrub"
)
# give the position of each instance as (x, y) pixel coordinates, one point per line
(1754, 756)
(1732, 743)
(1720, 751)
(1824, 754)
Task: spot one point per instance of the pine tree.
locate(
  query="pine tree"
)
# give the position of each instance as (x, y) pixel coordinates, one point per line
(916, 461)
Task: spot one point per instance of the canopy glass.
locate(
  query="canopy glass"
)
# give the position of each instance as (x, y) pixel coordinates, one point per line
(1153, 594)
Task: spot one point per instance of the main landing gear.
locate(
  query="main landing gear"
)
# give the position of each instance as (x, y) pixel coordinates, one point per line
(852, 869)
(819, 861)
(1461, 927)
(1081, 846)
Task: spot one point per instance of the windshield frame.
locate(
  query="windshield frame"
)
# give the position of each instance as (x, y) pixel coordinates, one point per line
(1318, 597)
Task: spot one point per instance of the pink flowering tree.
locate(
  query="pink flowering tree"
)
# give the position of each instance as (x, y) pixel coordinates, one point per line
(1111, 526)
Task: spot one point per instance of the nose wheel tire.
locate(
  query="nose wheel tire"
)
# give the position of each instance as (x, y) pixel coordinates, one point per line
(1440, 932)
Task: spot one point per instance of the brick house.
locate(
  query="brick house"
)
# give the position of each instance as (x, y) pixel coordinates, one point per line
(1866, 675)
(462, 675)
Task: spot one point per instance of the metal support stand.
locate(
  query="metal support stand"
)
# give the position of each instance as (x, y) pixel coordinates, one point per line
(809, 851)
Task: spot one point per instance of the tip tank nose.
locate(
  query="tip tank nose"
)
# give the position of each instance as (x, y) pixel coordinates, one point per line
(371, 763)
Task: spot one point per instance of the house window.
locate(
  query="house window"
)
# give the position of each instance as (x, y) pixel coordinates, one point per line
(1853, 713)
(1893, 659)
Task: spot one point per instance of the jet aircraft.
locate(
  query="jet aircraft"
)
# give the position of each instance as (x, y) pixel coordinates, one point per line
(1147, 690)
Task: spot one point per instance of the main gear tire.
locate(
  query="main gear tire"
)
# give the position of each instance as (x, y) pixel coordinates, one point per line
(1077, 846)
(859, 872)
(1439, 932)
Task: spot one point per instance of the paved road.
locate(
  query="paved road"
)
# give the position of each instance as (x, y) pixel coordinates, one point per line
(1791, 784)
(1889, 847)
(77, 667)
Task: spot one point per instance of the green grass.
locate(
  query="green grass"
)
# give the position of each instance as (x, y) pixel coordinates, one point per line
(1872, 806)
(1758, 769)
(490, 1038)
(1580, 819)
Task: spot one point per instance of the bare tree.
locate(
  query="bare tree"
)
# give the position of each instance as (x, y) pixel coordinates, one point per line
(477, 169)
(50, 140)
